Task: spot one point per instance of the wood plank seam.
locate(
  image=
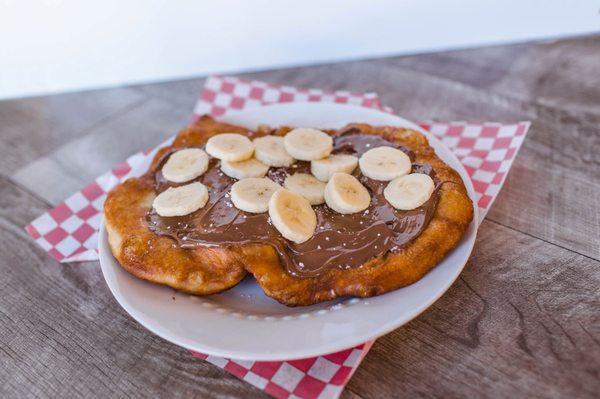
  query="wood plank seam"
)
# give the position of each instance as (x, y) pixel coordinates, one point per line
(542, 239)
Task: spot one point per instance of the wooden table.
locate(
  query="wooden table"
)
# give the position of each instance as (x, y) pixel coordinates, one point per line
(523, 320)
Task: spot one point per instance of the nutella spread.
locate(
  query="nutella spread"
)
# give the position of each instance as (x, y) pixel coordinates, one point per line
(343, 241)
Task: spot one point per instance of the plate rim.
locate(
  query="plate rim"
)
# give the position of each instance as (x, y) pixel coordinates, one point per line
(395, 322)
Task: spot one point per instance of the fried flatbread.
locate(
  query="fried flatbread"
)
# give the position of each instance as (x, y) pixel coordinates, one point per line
(451, 219)
(204, 270)
(200, 271)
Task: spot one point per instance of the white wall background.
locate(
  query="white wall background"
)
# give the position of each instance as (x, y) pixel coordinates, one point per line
(59, 45)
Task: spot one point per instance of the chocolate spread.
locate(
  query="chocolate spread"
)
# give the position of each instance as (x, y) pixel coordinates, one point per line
(343, 241)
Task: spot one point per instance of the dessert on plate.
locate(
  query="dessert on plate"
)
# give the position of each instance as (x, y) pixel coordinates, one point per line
(311, 214)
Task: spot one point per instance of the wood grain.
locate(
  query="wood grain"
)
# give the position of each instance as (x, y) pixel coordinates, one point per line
(32, 127)
(561, 74)
(538, 338)
(179, 93)
(62, 334)
(522, 320)
(79, 161)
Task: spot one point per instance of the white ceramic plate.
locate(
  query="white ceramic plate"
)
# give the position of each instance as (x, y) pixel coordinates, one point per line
(243, 323)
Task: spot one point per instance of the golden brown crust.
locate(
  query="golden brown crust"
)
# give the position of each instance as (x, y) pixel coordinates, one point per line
(208, 270)
(200, 271)
(453, 214)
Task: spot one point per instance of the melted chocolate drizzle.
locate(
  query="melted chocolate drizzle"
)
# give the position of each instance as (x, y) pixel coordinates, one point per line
(343, 241)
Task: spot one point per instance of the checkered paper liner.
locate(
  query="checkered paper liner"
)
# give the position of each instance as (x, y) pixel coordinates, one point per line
(222, 94)
(69, 232)
(317, 377)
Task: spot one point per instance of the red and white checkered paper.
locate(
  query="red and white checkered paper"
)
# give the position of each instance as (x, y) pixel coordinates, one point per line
(69, 232)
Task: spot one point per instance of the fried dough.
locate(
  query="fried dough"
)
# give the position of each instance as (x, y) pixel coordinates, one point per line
(451, 219)
(204, 270)
(200, 271)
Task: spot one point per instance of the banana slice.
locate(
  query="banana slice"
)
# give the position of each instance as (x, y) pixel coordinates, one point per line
(292, 216)
(308, 144)
(324, 168)
(185, 165)
(271, 151)
(384, 163)
(344, 194)
(253, 194)
(232, 147)
(182, 200)
(409, 191)
(244, 169)
(307, 186)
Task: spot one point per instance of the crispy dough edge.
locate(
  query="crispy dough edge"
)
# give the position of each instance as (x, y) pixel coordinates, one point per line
(201, 271)
(453, 215)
